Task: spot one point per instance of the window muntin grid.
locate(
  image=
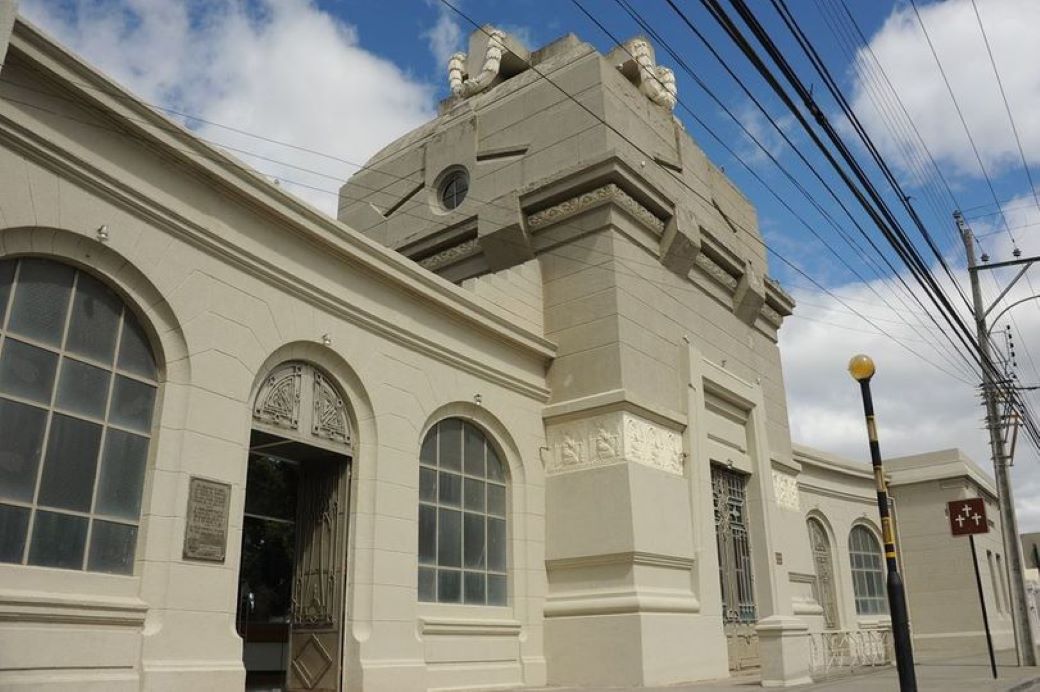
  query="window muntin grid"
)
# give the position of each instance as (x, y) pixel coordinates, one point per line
(462, 517)
(454, 189)
(77, 396)
(868, 577)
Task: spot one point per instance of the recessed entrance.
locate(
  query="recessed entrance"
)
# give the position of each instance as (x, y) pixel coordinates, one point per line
(290, 609)
(739, 611)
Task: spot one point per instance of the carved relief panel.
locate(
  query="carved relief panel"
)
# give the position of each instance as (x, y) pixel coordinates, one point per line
(613, 438)
(297, 397)
(785, 487)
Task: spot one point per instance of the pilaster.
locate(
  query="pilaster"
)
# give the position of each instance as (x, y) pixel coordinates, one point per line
(621, 608)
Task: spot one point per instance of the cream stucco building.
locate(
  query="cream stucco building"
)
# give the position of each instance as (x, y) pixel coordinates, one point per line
(516, 418)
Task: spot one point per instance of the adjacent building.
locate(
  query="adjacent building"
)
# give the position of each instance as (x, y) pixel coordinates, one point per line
(517, 417)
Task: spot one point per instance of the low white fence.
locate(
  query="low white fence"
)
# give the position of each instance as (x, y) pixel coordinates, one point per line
(843, 651)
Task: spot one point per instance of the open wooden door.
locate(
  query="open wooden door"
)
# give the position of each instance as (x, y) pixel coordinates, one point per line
(317, 621)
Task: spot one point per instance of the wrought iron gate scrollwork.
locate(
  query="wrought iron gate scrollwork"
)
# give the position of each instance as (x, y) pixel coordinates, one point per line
(824, 593)
(739, 611)
(314, 596)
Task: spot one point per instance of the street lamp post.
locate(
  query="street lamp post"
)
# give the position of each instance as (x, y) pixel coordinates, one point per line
(861, 368)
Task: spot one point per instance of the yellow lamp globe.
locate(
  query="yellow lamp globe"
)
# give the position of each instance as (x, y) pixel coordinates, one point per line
(861, 367)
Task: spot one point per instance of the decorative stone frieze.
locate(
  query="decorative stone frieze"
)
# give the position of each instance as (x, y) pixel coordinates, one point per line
(609, 193)
(613, 438)
(716, 272)
(772, 316)
(452, 254)
(785, 487)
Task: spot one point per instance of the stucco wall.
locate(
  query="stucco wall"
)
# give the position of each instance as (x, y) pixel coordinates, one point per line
(231, 278)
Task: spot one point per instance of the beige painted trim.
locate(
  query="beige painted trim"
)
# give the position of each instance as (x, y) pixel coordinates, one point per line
(632, 557)
(34, 606)
(644, 600)
(463, 627)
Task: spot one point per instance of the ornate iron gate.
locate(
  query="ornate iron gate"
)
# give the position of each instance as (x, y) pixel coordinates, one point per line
(739, 613)
(825, 595)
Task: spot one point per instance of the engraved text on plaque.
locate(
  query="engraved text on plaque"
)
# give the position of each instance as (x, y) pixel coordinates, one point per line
(205, 530)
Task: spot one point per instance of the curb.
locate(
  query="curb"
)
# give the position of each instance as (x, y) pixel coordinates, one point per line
(1025, 685)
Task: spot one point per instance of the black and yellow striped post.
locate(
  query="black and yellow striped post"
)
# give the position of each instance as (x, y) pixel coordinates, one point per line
(861, 368)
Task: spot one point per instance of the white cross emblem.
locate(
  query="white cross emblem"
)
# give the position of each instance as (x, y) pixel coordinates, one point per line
(960, 521)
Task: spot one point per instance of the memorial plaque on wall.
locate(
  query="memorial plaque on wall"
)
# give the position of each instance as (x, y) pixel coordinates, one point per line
(206, 526)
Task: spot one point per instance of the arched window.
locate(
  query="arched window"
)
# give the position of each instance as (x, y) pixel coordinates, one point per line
(462, 517)
(868, 577)
(77, 394)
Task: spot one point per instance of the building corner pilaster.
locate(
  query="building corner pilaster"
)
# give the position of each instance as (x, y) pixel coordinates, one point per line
(784, 643)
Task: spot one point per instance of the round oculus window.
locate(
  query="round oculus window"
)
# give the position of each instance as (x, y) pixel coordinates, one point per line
(454, 188)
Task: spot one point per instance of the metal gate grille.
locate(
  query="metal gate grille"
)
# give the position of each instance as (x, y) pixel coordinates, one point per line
(825, 595)
(739, 613)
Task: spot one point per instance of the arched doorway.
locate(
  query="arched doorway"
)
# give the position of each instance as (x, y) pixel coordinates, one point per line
(294, 535)
(824, 564)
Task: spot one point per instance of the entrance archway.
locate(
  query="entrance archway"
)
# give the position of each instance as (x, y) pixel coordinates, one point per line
(294, 537)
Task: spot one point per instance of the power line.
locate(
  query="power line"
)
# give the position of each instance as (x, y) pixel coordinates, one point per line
(941, 177)
(894, 113)
(541, 74)
(1007, 107)
(682, 63)
(781, 7)
(881, 215)
(248, 153)
(679, 60)
(957, 107)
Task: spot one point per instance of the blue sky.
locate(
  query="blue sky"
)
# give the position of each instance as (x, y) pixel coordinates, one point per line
(345, 78)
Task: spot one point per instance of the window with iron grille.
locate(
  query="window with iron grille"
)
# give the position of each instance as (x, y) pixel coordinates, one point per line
(462, 517)
(77, 394)
(868, 575)
(729, 496)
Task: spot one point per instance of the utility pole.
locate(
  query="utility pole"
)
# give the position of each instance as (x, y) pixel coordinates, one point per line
(1005, 497)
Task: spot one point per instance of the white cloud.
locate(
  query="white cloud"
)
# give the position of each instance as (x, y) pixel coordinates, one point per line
(279, 68)
(445, 36)
(759, 128)
(919, 408)
(901, 49)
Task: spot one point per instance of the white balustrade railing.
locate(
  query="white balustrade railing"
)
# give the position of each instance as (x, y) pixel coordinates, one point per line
(838, 651)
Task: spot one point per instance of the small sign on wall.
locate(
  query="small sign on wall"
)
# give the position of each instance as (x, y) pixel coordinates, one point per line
(967, 516)
(206, 524)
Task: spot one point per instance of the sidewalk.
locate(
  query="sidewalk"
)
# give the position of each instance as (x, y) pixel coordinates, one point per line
(932, 676)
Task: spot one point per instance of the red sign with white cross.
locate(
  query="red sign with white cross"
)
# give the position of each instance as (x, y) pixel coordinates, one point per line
(967, 516)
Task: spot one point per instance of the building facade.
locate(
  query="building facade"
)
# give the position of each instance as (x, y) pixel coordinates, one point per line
(516, 418)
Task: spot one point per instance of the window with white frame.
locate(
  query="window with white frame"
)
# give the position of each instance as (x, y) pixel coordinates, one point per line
(77, 395)
(462, 517)
(868, 575)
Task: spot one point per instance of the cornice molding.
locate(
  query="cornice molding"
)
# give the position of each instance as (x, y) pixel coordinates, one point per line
(253, 190)
(606, 194)
(202, 238)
